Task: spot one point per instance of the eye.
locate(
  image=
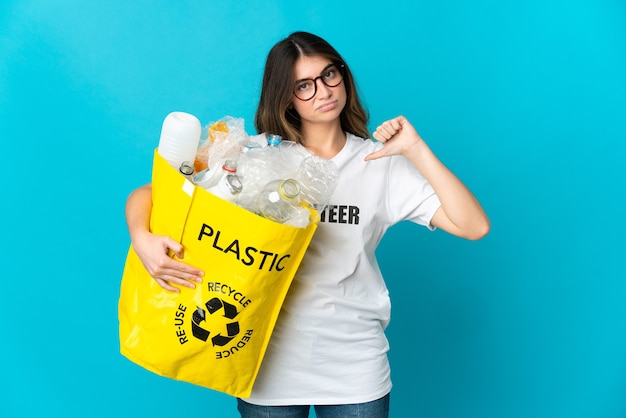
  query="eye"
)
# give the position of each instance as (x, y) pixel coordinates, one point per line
(303, 85)
(331, 73)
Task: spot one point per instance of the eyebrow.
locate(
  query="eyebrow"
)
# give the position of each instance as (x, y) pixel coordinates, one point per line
(321, 72)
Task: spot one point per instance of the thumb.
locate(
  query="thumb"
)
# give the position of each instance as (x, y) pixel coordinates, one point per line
(375, 155)
(174, 247)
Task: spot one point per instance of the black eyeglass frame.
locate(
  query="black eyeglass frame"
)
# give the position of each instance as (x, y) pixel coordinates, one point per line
(340, 68)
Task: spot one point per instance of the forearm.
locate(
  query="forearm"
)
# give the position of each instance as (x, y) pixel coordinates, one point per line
(460, 213)
(138, 209)
(154, 250)
(460, 206)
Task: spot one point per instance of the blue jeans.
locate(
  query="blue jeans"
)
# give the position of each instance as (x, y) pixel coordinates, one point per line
(374, 409)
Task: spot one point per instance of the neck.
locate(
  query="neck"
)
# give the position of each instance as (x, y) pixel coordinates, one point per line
(324, 140)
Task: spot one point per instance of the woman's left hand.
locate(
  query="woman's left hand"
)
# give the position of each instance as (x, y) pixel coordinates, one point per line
(460, 212)
(398, 135)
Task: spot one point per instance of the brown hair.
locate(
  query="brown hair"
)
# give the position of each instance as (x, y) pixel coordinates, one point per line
(276, 115)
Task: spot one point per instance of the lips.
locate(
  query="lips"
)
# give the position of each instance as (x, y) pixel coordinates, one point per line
(327, 106)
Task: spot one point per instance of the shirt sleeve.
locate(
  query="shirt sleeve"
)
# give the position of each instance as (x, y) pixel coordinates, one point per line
(410, 195)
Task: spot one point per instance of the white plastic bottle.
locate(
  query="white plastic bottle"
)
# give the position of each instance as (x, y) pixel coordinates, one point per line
(180, 137)
(228, 184)
(209, 177)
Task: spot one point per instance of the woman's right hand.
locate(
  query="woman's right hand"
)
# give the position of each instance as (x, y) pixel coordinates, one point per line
(155, 251)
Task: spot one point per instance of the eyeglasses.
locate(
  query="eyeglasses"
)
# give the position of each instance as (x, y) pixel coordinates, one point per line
(331, 76)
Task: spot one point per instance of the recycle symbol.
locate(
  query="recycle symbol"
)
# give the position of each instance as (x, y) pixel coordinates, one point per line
(213, 306)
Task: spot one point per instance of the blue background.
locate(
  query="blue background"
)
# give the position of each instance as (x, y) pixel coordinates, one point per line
(524, 100)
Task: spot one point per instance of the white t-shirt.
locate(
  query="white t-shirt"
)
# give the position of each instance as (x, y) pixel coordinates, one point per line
(329, 346)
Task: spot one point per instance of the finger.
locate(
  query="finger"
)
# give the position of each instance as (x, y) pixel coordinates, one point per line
(397, 122)
(379, 152)
(374, 155)
(165, 285)
(383, 134)
(180, 282)
(168, 268)
(187, 271)
(379, 137)
(180, 271)
(173, 279)
(388, 129)
(170, 263)
(177, 276)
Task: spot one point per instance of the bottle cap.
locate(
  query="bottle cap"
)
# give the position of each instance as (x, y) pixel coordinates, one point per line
(274, 140)
(230, 166)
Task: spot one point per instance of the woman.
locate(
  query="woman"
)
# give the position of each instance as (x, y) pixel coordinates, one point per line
(328, 348)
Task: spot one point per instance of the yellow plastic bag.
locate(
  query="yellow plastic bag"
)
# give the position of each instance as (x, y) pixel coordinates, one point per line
(215, 335)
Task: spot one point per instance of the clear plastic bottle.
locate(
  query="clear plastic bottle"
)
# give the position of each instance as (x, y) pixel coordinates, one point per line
(318, 179)
(278, 158)
(278, 201)
(250, 145)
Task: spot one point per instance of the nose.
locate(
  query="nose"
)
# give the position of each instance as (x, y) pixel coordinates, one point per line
(322, 89)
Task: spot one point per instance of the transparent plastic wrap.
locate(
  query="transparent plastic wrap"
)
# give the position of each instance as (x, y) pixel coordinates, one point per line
(221, 140)
(258, 166)
(260, 162)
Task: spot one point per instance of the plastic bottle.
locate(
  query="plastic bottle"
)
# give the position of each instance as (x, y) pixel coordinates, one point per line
(209, 177)
(203, 177)
(228, 185)
(279, 157)
(250, 146)
(180, 137)
(278, 201)
(318, 179)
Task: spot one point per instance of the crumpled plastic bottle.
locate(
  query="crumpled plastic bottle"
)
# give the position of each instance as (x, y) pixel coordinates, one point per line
(318, 179)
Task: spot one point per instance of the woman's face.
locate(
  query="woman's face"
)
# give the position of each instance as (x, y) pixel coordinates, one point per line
(328, 102)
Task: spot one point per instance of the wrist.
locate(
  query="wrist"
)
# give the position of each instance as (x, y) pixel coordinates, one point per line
(415, 150)
(139, 234)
